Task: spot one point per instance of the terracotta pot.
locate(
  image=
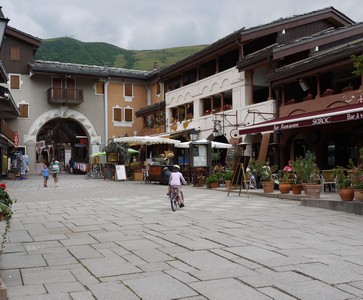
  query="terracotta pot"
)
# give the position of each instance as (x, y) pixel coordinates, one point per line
(213, 185)
(268, 186)
(358, 195)
(284, 188)
(228, 184)
(313, 191)
(296, 188)
(346, 194)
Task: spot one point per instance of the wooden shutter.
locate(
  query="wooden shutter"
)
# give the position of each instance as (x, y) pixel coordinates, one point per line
(71, 88)
(128, 115)
(128, 90)
(100, 88)
(117, 116)
(14, 82)
(24, 110)
(15, 54)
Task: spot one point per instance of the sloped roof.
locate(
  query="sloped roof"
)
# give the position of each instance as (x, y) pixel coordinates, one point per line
(251, 32)
(320, 58)
(54, 67)
(25, 37)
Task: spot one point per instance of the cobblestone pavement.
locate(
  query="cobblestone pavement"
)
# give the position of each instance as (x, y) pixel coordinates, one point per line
(96, 239)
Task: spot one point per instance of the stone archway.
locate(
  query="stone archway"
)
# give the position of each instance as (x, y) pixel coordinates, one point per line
(30, 139)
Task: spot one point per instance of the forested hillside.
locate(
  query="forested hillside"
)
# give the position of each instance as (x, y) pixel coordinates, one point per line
(70, 50)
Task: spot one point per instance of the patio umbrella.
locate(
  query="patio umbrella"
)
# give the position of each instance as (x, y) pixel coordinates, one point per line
(218, 145)
(146, 140)
(130, 150)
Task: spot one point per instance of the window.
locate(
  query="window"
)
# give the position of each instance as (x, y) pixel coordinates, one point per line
(158, 88)
(128, 90)
(15, 54)
(100, 88)
(117, 114)
(128, 115)
(14, 82)
(24, 110)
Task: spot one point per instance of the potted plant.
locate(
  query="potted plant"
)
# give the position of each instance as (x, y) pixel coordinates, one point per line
(344, 184)
(227, 177)
(212, 180)
(263, 170)
(297, 170)
(284, 181)
(199, 176)
(357, 177)
(310, 176)
(6, 211)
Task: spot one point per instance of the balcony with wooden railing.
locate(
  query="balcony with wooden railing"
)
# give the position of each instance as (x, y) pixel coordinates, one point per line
(65, 96)
(6, 130)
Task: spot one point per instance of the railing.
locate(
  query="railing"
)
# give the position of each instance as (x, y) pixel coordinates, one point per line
(6, 130)
(65, 96)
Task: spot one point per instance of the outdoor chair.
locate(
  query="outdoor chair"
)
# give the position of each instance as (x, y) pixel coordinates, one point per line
(328, 180)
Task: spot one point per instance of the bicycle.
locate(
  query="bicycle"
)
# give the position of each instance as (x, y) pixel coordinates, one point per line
(95, 173)
(175, 202)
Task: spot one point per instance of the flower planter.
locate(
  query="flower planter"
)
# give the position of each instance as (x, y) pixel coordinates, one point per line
(228, 184)
(313, 191)
(346, 194)
(358, 194)
(284, 188)
(268, 186)
(213, 185)
(296, 188)
(137, 176)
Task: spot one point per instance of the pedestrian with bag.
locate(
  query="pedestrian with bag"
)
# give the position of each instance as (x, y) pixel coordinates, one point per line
(55, 165)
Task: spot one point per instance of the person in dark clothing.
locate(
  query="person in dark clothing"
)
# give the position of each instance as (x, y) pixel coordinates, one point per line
(166, 175)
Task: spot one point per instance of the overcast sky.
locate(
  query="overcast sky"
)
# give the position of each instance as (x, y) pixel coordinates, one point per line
(156, 24)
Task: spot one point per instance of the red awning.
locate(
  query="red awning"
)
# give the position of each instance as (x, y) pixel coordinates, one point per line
(338, 114)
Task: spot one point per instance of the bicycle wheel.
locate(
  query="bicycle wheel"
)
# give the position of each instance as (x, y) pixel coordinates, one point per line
(173, 201)
(87, 175)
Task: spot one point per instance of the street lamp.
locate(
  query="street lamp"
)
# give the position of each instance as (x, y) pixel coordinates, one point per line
(243, 146)
(3, 22)
(194, 135)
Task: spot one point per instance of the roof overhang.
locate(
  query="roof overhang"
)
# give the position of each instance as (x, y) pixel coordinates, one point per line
(150, 109)
(323, 117)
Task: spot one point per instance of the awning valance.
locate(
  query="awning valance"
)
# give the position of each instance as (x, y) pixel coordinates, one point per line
(322, 117)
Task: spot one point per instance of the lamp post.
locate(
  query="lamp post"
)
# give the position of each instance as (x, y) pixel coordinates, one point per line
(3, 23)
(243, 147)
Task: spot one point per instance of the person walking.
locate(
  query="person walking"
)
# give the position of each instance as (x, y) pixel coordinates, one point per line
(55, 165)
(45, 173)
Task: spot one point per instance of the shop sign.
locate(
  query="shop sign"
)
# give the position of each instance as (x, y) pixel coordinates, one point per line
(323, 120)
(16, 139)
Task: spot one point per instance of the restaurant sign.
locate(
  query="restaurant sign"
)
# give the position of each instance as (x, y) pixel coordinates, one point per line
(303, 122)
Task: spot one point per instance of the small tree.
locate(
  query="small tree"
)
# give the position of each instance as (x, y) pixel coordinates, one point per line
(120, 148)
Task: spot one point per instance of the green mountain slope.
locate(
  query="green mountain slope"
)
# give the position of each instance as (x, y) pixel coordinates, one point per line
(70, 50)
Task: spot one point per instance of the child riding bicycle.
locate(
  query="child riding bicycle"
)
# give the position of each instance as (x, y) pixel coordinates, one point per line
(176, 179)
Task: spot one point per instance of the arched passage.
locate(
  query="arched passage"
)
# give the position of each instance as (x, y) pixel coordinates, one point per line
(66, 123)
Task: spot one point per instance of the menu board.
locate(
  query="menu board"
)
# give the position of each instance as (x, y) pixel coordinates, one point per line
(200, 155)
(120, 172)
(231, 154)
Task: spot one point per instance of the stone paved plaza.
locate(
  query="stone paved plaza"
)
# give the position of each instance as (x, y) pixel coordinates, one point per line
(96, 239)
